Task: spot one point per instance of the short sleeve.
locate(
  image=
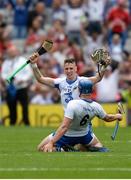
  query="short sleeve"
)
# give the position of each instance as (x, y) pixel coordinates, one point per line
(69, 112)
(100, 112)
(57, 82)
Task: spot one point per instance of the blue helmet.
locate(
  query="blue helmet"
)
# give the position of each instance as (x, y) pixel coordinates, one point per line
(85, 86)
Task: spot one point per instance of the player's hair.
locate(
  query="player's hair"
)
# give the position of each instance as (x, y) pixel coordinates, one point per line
(69, 60)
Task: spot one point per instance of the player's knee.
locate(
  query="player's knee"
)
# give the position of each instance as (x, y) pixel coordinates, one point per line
(96, 143)
(39, 148)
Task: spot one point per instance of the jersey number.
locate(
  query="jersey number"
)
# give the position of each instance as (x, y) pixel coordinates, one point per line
(68, 97)
(84, 120)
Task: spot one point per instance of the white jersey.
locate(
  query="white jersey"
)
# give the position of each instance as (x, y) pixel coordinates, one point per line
(25, 76)
(82, 112)
(68, 89)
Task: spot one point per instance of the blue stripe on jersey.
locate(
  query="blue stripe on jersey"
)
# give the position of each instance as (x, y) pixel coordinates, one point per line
(57, 86)
(70, 81)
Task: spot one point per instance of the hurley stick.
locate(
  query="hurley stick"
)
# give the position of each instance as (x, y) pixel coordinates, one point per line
(120, 110)
(45, 47)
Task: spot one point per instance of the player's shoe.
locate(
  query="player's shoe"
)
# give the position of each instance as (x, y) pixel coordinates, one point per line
(97, 149)
(65, 149)
(59, 149)
(68, 148)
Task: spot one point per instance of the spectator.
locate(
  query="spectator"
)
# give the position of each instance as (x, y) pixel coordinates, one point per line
(56, 32)
(5, 29)
(4, 38)
(95, 11)
(56, 67)
(48, 3)
(3, 3)
(20, 17)
(74, 20)
(125, 71)
(118, 21)
(83, 69)
(92, 42)
(39, 10)
(45, 64)
(18, 90)
(130, 6)
(8, 14)
(57, 12)
(42, 95)
(62, 50)
(115, 48)
(109, 4)
(108, 88)
(35, 36)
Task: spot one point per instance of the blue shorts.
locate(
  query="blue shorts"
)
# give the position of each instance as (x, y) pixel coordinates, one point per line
(85, 140)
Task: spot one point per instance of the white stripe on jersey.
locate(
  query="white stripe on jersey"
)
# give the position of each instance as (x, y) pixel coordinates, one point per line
(82, 112)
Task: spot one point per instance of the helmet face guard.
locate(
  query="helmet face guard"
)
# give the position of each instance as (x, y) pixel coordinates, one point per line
(101, 59)
(85, 86)
(99, 56)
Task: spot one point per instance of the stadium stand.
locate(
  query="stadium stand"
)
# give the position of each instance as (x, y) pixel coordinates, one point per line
(75, 32)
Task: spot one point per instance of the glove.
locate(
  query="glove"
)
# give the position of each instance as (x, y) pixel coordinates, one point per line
(101, 57)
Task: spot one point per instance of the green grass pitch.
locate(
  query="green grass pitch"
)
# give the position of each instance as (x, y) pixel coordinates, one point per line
(20, 159)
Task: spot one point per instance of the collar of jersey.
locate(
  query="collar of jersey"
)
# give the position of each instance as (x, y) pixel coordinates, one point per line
(88, 100)
(70, 81)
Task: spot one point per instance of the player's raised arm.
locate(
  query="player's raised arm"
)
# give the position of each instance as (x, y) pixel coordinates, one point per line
(40, 78)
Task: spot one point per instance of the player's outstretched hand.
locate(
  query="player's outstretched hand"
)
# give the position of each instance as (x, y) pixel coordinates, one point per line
(107, 61)
(119, 117)
(48, 147)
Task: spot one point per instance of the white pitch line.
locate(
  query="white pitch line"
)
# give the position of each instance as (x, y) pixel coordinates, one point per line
(64, 169)
(68, 154)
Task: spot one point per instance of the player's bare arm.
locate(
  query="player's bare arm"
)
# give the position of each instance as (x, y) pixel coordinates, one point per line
(40, 78)
(97, 78)
(59, 133)
(113, 117)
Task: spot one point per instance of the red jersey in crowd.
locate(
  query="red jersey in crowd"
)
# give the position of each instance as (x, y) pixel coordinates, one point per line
(118, 19)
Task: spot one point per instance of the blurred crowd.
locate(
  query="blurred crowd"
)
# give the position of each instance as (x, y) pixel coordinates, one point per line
(77, 28)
